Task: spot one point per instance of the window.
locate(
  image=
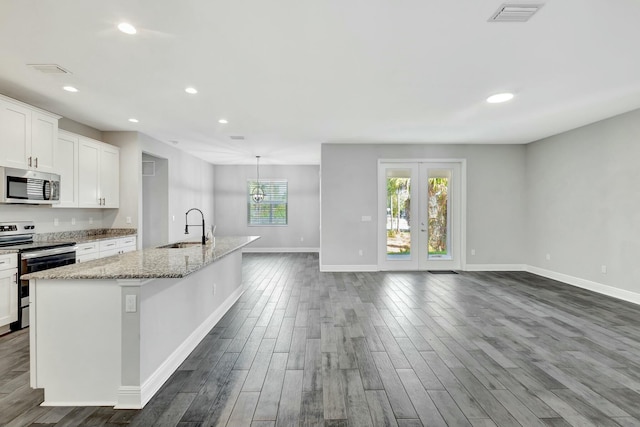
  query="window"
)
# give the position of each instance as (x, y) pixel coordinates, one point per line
(273, 209)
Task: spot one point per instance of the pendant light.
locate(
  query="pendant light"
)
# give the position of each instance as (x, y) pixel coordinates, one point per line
(257, 192)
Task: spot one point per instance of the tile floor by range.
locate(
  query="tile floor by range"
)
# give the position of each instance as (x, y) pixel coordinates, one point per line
(302, 347)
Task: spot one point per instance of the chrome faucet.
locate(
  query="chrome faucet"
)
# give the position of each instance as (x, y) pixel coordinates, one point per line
(186, 224)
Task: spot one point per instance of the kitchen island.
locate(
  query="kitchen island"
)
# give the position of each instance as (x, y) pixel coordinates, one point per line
(110, 332)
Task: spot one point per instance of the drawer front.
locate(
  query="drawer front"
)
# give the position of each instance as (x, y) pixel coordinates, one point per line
(8, 261)
(124, 242)
(86, 248)
(108, 252)
(108, 245)
(87, 257)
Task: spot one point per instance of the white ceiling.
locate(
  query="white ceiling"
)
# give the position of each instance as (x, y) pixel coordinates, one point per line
(291, 74)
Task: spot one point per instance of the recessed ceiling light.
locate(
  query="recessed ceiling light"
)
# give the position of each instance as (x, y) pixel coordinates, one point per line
(132, 120)
(500, 97)
(191, 90)
(70, 88)
(127, 28)
(223, 121)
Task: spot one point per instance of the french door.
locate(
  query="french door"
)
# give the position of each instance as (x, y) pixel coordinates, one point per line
(420, 206)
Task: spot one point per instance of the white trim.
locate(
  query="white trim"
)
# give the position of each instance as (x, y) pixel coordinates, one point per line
(127, 395)
(348, 268)
(495, 267)
(83, 403)
(279, 250)
(600, 288)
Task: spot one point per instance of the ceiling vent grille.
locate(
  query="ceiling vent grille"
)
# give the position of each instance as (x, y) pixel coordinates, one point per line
(515, 12)
(49, 68)
(237, 137)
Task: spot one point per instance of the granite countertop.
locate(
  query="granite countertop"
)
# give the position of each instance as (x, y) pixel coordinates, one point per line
(79, 237)
(86, 236)
(154, 263)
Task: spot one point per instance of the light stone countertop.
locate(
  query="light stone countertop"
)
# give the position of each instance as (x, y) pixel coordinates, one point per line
(78, 237)
(150, 263)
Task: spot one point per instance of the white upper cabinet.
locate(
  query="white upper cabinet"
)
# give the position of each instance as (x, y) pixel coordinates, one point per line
(28, 136)
(67, 167)
(110, 176)
(98, 174)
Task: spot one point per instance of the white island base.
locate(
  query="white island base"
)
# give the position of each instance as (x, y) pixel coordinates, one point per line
(114, 342)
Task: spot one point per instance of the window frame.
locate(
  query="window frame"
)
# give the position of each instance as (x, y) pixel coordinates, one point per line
(270, 186)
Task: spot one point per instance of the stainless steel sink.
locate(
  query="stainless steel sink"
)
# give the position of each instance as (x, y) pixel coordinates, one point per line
(180, 245)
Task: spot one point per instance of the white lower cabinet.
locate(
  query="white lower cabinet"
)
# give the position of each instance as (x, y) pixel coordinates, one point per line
(104, 248)
(8, 289)
(87, 252)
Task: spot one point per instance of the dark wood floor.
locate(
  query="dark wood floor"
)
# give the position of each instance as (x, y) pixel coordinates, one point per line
(308, 348)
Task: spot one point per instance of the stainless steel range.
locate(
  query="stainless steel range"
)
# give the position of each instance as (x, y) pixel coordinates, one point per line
(32, 257)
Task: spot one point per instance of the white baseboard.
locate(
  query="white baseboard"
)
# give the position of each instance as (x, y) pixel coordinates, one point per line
(83, 403)
(347, 268)
(495, 267)
(127, 395)
(586, 284)
(278, 250)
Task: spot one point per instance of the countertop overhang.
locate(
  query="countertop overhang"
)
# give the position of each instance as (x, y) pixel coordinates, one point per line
(153, 263)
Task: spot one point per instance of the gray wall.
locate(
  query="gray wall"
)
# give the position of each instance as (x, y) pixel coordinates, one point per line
(155, 203)
(583, 202)
(302, 232)
(495, 200)
(191, 185)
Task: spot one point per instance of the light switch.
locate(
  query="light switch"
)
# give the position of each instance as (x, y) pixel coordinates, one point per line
(130, 303)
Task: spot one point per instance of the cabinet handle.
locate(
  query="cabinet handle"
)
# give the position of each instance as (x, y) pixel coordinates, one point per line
(29, 161)
(15, 277)
(36, 163)
(3, 262)
(104, 201)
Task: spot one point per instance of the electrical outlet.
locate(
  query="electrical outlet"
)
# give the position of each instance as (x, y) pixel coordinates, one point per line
(173, 217)
(128, 220)
(548, 257)
(73, 221)
(360, 252)
(213, 289)
(302, 239)
(56, 222)
(473, 251)
(130, 303)
(90, 220)
(603, 269)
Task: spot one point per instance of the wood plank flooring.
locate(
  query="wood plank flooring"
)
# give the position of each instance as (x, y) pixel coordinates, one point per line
(306, 348)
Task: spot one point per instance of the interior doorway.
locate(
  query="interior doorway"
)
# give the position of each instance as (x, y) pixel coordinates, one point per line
(421, 215)
(155, 201)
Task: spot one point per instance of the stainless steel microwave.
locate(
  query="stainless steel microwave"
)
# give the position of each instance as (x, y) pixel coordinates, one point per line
(27, 186)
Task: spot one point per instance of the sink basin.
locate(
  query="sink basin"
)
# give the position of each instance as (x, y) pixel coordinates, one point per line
(181, 245)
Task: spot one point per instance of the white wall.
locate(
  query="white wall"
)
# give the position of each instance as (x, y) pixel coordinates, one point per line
(583, 203)
(191, 185)
(495, 200)
(302, 232)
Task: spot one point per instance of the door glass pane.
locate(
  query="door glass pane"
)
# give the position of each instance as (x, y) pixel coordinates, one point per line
(438, 214)
(398, 214)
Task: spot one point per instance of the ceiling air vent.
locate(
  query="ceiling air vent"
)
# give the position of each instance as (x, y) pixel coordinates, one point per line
(514, 12)
(237, 137)
(49, 68)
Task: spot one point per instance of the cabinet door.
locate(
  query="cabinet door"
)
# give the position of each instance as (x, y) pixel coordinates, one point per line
(67, 167)
(8, 296)
(110, 176)
(44, 135)
(88, 173)
(15, 134)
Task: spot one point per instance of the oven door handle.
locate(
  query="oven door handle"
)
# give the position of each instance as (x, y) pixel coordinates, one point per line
(47, 252)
